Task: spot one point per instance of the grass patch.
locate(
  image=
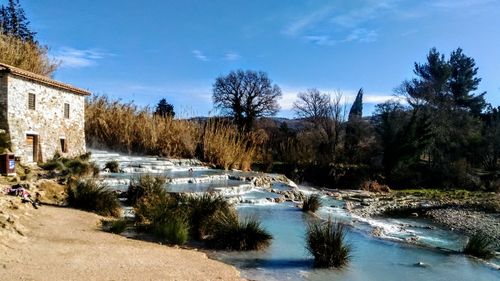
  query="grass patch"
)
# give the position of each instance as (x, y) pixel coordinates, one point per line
(202, 210)
(230, 233)
(479, 246)
(173, 231)
(208, 218)
(114, 226)
(326, 242)
(52, 192)
(91, 196)
(312, 203)
(67, 168)
(113, 166)
(145, 185)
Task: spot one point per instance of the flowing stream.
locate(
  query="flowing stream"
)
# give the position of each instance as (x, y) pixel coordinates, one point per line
(388, 257)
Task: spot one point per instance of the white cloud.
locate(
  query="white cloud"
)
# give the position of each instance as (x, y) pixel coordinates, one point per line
(231, 56)
(306, 21)
(460, 4)
(79, 58)
(361, 35)
(348, 96)
(199, 55)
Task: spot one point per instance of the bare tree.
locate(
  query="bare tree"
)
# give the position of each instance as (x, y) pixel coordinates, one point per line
(327, 114)
(312, 105)
(246, 95)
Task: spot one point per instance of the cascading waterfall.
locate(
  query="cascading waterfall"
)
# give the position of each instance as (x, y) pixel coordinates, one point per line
(407, 248)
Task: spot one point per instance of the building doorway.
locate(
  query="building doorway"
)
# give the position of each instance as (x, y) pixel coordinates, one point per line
(31, 148)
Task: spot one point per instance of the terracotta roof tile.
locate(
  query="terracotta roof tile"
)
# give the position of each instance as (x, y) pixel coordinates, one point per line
(41, 79)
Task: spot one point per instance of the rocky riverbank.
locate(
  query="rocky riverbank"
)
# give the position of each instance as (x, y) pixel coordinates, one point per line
(461, 211)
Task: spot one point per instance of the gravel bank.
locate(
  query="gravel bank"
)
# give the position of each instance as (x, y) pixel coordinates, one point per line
(469, 221)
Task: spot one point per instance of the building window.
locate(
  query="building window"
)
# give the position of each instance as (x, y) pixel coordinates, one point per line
(64, 146)
(66, 110)
(31, 101)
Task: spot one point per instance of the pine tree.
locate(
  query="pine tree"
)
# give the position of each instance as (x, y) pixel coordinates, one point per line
(3, 19)
(463, 81)
(13, 22)
(164, 109)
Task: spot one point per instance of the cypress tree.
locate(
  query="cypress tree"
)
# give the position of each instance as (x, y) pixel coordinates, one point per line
(357, 106)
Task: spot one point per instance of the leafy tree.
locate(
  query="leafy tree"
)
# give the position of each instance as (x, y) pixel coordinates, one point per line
(246, 95)
(403, 134)
(14, 22)
(164, 109)
(443, 91)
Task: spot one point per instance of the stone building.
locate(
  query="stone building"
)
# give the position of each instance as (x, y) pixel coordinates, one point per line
(42, 116)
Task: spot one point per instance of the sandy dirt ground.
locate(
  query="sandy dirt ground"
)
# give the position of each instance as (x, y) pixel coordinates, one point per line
(66, 244)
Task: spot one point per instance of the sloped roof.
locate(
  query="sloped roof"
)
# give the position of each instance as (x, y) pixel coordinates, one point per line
(41, 79)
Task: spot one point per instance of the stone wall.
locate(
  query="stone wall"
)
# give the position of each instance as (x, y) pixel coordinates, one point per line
(47, 121)
(3, 102)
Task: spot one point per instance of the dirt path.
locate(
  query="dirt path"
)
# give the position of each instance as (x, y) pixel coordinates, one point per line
(66, 244)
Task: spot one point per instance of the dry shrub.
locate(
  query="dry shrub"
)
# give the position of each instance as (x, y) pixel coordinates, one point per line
(374, 186)
(125, 127)
(227, 147)
(52, 192)
(26, 55)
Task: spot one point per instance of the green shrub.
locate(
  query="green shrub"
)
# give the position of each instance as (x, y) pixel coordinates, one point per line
(312, 203)
(145, 185)
(326, 242)
(78, 168)
(174, 231)
(229, 233)
(479, 246)
(113, 166)
(71, 167)
(114, 226)
(202, 210)
(160, 212)
(52, 165)
(91, 196)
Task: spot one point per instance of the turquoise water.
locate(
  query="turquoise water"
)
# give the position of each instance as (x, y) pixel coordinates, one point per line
(287, 259)
(372, 259)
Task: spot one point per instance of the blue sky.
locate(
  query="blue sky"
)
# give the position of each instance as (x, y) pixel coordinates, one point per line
(146, 50)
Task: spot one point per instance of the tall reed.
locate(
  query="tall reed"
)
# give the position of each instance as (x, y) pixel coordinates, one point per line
(125, 127)
(225, 146)
(128, 128)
